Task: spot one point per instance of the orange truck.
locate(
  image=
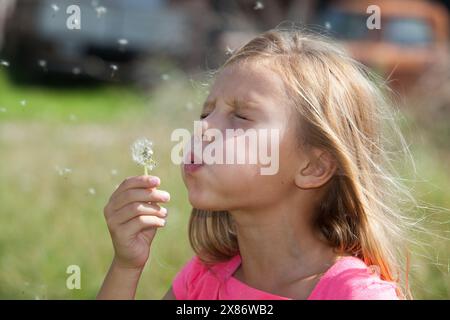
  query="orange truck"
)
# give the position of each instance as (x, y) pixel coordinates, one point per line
(413, 36)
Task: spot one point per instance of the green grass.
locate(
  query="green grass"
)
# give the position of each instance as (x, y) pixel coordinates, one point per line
(49, 221)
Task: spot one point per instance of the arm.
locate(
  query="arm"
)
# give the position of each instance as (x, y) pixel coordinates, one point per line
(119, 283)
(133, 217)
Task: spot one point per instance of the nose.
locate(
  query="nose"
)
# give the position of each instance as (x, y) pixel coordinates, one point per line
(205, 126)
(199, 130)
(214, 120)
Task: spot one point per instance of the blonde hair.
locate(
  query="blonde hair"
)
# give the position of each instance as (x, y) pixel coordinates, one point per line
(343, 111)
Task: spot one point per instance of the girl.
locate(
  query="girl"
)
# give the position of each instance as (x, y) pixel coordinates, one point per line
(322, 227)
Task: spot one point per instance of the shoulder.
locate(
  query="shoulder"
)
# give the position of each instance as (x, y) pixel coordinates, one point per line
(195, 274)
(351, 279)
(186, 276)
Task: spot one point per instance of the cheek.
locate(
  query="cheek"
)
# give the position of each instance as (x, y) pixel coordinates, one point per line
(231, 186)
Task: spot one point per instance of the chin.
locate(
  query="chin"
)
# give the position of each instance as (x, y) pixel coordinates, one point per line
(205, 201)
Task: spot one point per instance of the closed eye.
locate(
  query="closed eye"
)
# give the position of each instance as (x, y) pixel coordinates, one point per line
(240, 116)
(203, 116)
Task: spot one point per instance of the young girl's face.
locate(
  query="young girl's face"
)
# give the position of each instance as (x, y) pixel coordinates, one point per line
(246, 96)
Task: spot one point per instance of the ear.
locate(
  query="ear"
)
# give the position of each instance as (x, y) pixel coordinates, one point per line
(316, 171)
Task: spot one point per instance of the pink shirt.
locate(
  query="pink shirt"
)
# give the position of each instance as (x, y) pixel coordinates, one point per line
(348, 278)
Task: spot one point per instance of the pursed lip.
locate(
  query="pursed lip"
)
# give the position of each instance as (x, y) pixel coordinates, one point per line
(192, 167)
(192, 163)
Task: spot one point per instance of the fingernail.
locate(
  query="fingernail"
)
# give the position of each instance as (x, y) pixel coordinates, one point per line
(166, 196)
(154, 180)
(164, 211)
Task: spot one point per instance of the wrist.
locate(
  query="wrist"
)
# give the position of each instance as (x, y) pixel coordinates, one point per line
(118, 266)
(120, 282)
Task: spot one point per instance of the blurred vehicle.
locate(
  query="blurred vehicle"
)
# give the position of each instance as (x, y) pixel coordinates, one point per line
(114, 36)
(413, 36)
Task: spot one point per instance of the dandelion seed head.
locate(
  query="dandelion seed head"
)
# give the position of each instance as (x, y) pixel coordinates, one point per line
(114, 172)
(114, 67)
(258, 5)
(142, 153)
(2, 109)
(165, 77)
(23, 103)
(55, 7)
(72, 117)
(4, 63)
(91, 191)
(328, 25)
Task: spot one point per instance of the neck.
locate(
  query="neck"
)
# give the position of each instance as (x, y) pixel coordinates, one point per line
(278, 246)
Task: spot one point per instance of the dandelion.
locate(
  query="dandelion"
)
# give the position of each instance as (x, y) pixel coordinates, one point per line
(258, 5)
(328, 25)
(142, 153)
(72, 117)
(55, 7)
(165, 77)
(114, 172)
(91, 191)
(23, 103)
(2, 109)
(4, 63)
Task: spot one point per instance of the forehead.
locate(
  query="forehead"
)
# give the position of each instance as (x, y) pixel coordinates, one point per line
(250, 80)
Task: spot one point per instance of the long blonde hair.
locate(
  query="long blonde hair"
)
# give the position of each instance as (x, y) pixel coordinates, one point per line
(342, 109)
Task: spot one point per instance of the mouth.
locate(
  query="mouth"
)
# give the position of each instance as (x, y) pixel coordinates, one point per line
(192, 164)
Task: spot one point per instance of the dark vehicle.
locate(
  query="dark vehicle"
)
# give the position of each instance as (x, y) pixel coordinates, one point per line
(113, 37)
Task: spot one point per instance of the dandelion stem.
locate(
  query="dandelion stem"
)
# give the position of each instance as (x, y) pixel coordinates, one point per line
(145, 171)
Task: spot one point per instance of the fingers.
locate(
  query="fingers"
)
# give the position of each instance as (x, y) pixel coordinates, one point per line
(137, 182)
(141, 223)
(139, 195)
(135, 209)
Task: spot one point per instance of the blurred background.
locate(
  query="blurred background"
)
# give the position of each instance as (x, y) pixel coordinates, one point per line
(74, 96)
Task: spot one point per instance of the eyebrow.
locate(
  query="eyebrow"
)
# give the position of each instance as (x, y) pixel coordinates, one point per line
(235, 103)
(240, 104)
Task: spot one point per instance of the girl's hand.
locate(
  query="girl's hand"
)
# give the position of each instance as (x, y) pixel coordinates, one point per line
(133, 216)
